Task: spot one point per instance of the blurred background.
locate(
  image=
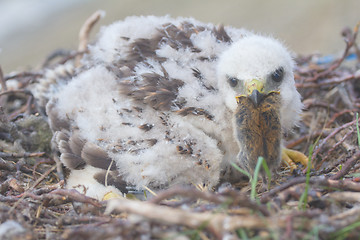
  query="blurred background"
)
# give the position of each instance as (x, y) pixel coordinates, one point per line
(31, 29)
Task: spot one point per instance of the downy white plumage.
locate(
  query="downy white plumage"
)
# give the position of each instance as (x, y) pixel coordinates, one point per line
(153, 103)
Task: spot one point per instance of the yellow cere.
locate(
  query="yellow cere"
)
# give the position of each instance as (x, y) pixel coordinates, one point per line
(243, 95)
(254, 84)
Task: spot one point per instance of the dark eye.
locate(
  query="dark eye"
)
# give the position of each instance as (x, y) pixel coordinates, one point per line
(233, 81)
(278, 75)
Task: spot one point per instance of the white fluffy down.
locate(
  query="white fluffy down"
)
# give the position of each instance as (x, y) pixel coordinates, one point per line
(97, 115)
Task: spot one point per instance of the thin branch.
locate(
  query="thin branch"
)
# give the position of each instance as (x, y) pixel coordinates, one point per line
(333, 81)
(332, 134)
(317, 181)
(338, 114)
(186, 192)
(345, 196)
(23, 91)
(217, 223)
(31, 188)
(42, 177)
(21, 155)
(230, 197)
(329, 153)
(347, 166)
(23, 75)
(85, 32)
(349, 39)
(307, 137)
(312, 102)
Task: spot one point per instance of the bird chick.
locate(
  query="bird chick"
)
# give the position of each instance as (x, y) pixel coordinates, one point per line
(259, 70)
(154, 105)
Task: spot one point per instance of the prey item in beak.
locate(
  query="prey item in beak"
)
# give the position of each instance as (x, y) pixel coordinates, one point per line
(258, 130)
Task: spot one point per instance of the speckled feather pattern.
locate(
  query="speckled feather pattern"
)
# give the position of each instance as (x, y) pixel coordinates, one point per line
(150, 105)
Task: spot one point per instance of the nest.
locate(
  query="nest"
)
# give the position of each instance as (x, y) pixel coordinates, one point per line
(320, 203)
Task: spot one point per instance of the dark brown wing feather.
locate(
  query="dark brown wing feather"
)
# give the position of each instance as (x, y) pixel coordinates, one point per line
(155, 90)
(112, 179)
(72, 161)
(97, 157)
(68, 156)
(76, 144)
(221, 34)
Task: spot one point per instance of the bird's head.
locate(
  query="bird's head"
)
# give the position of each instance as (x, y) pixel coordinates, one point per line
(254, 66)
(255, 76)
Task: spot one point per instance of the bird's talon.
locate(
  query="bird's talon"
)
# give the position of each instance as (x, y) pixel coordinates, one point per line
(291, 157)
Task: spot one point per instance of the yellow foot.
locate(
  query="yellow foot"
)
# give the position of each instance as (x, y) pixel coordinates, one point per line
(111, 195)
(291, 157)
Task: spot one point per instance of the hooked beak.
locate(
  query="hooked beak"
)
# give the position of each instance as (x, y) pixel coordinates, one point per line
(255, 92)
(256, 97)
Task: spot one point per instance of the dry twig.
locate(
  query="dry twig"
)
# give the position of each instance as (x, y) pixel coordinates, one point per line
(216, 223)
(347, 166)
(349, 38)
(85, 31)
